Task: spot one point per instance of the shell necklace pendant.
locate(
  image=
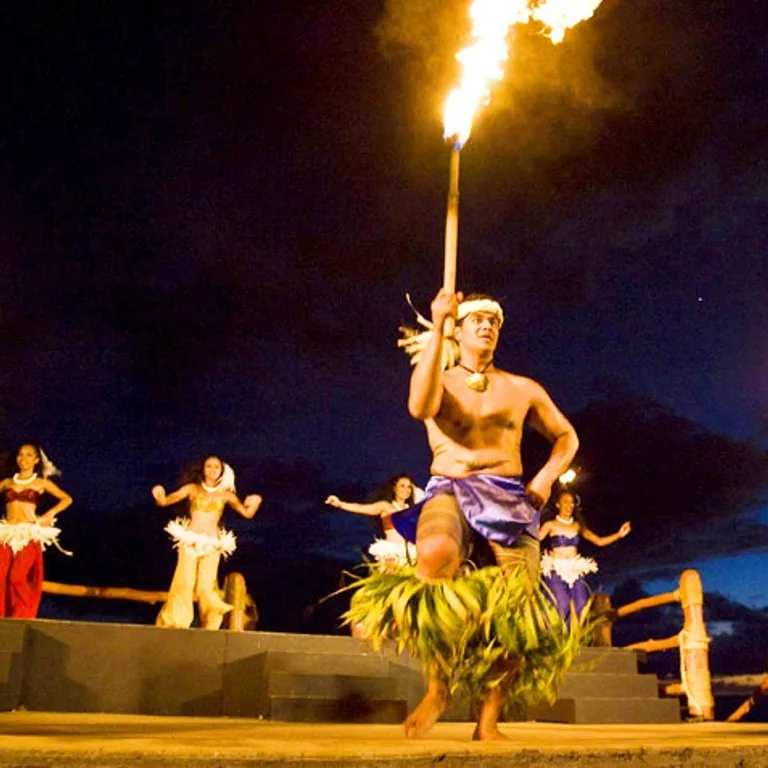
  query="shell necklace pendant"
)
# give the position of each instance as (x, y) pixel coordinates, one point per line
(477, 381)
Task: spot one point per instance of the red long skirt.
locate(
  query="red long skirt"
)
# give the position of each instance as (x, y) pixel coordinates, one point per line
(21, 581)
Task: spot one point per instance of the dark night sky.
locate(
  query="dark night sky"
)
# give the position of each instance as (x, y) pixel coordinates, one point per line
(211, 213)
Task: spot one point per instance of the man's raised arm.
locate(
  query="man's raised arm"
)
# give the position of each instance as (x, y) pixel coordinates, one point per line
(426, 393)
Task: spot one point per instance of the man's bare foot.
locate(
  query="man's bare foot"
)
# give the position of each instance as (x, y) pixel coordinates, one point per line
(427, 713)
(488, 734)
(490, 712)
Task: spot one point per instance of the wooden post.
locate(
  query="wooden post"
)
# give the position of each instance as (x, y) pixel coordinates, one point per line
(251, 614)
(694, 648)
(603, 613)
(236, 595)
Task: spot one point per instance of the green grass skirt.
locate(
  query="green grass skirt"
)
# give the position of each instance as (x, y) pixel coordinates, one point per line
(471, 628)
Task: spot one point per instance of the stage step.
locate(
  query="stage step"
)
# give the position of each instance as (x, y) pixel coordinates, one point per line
(606, 710)
(621, 686)
(624, 695)
(289, 685)
(354, 663)
(12, 635)
(334, 688)
(337, 687)
(12, 639)
(607, 660)
(349, 709)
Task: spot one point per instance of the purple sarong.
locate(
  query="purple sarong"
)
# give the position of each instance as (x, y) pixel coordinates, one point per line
(494, 506)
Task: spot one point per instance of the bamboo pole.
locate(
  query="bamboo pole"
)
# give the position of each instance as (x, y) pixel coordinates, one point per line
(757, 694)
(648, 602)
(451, 233)
(694, 648)
(108, 593)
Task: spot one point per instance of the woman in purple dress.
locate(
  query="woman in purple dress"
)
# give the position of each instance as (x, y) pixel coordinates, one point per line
(563, 568)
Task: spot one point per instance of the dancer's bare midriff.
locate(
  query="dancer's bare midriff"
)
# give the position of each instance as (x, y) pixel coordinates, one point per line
(205, 511)
(20, 512)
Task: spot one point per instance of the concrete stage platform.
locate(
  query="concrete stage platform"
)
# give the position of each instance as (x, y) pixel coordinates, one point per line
(81, 667)
(43, 740)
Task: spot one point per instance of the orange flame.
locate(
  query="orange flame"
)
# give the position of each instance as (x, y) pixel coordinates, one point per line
(482, 61)
(560, 15)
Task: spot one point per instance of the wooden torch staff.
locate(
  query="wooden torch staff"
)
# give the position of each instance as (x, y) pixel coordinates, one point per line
(451, 233)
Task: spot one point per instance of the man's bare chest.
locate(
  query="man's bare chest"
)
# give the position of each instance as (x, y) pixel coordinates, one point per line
(465, 409)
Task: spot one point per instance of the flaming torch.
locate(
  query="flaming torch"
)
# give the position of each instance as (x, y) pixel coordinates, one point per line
(482, 63)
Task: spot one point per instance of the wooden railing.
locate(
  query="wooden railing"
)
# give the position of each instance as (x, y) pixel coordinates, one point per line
(105, 593)
(758, 694)
(244, 615)
(692, 640)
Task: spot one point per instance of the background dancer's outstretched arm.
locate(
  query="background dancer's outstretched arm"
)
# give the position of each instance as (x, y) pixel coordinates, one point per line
(604, 541)
(374, 509)
(398, 494)
(246, 508)
(166, 500)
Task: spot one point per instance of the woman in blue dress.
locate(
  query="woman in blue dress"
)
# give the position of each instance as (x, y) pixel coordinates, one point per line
(563, 568)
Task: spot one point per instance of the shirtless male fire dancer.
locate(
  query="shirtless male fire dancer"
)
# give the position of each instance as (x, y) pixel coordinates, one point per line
(474, 415)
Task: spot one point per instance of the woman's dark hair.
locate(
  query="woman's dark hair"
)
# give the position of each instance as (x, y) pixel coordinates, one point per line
(9, 465)
(550, 512)
(387, 491)
(193, 472)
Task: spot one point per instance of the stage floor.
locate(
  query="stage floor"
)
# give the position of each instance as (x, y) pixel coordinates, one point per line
(73, 739)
